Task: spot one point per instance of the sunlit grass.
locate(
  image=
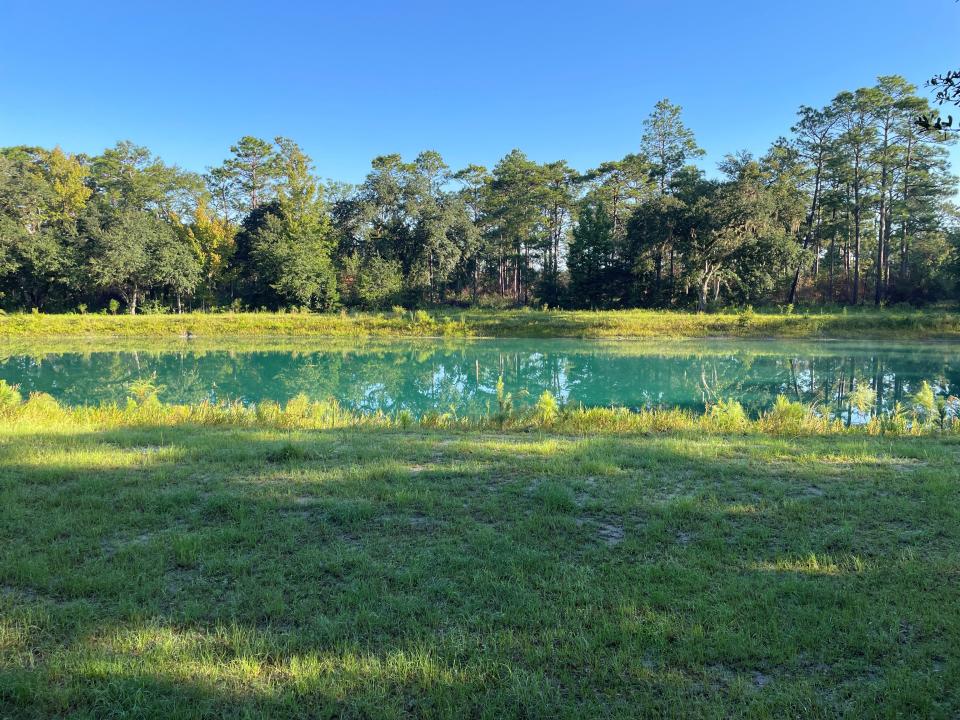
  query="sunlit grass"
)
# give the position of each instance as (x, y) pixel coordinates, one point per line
(167, 562)
(453, 323)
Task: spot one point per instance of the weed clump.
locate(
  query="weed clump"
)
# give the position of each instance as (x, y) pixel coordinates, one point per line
(289, 453)
(9, 395)
(727, 416)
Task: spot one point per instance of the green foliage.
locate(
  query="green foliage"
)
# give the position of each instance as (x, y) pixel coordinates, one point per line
(137, 253)
(504, 399)
(728, 416)
(627, 554)
(144, 392)
(788, 417)
(852, 206)
(377, 282)
(593, 262)
(863, 398)
(9, 395)
(924, 403)
(546, 410)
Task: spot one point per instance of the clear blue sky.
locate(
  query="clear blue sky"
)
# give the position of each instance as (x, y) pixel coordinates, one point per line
(351, 80)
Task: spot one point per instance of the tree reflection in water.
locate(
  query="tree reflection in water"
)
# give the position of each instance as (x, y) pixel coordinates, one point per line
(423, 376)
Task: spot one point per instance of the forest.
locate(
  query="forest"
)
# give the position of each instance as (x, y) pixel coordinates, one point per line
(855, 204)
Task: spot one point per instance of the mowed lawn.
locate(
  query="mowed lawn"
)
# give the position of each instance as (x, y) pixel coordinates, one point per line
(184, 572)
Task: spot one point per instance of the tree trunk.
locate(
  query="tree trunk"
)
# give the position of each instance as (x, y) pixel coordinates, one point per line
(807, 236)
(856, 247)
(882, 232)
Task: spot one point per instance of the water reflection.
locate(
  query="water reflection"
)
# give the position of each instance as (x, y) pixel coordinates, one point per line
(425, 376)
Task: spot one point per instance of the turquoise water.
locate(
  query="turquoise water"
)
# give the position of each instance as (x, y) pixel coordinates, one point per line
(424, 375)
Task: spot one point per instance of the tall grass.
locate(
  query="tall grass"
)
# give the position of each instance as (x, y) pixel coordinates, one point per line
(887, 323)
(786, 418)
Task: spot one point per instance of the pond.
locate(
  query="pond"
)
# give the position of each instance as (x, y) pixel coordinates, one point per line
(426, 375)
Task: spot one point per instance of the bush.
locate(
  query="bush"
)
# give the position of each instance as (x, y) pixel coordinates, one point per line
(379, 282)
(144, 391)
(9, 395)
(546, 410)
(863, 398)
(288, 452)
(791, 418)
(504, 399)
(924, 403)
(727, 416)
(42, 405)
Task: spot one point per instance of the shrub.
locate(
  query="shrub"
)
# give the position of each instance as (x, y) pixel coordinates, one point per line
(288, 452)
(924, 403)
(896, 421)
(504, 399)
(727, 416)
(546, 410)
(268, 411)
(298, 407)
(42, 405)
(144, 391)
(863, 398)
(437, 420)
(9, 395)
(787, 417)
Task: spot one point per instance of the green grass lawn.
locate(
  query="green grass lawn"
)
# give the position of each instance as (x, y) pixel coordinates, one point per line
(176, 571)
(857, 323)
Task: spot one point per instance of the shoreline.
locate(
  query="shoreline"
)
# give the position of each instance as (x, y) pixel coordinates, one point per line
(615, 325)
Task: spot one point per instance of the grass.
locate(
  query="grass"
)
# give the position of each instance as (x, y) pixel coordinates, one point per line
(176, 563)
(860, 323)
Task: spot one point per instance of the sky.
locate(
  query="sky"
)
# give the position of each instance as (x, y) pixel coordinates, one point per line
(353, 80)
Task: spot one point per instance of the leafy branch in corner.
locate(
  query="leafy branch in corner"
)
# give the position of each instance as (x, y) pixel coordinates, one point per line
(948, 91)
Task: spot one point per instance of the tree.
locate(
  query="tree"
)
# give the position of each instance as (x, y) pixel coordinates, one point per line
(403, 213)
(560, 186)
(593, 261)
(514, 209)
(212, 240)
(294, 260)
(379, 282)
(67, 176)
(129, 177)
(857, 166)
(474, 246)
(667, 142)
(245, 180)
(669, 145)
(947, 91)
(814, 136)
(730, 235)
(138, 253)
(621, 185)
(284, 248)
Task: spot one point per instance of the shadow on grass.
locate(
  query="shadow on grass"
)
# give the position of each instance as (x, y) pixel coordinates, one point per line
(196, 572)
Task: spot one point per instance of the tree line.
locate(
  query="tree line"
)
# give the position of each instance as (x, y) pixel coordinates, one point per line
(854, 205)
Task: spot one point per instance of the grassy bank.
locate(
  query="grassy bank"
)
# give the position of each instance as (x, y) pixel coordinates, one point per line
(490, 323)
(174, 563)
